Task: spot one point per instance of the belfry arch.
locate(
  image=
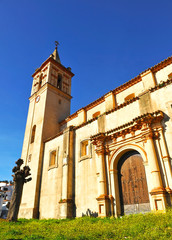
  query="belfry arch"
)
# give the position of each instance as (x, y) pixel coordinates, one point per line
(129, 158)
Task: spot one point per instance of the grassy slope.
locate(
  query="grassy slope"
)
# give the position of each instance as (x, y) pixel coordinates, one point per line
(148, 226)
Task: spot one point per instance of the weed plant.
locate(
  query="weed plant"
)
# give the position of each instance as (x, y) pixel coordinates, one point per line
(139, 226)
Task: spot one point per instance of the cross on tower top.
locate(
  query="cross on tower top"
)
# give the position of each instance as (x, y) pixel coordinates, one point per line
(56, 43)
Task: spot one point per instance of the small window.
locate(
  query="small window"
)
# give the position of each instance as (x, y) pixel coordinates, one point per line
(96, 114)
(84, 148)
(130, 96)
(53, 158)
(33, 134)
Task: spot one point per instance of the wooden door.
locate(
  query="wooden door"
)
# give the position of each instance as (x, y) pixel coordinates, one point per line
(133, 189)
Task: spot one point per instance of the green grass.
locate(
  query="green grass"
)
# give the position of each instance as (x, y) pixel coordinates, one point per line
(140, 226)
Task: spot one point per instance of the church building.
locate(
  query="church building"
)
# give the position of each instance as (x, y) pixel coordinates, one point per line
(110, 158)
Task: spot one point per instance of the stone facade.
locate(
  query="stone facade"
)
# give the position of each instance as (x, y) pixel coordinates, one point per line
(76, 160)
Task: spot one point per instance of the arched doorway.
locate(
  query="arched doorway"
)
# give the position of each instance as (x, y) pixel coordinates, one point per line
(133, 189)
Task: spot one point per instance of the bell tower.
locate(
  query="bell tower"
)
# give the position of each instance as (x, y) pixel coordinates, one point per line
(49, 104)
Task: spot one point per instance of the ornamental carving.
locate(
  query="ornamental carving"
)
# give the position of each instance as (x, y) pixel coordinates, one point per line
(152, 134)
(99, 141)
(145, 123)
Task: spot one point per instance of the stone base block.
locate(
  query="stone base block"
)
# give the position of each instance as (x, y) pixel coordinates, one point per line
(66, 208)
(159, 201)
(103, 206)
(28, 213)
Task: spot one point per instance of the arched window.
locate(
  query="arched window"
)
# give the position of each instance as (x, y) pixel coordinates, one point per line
(33, 134)
(130, 96)
(40, 81)
(59, 82)
(96, 114)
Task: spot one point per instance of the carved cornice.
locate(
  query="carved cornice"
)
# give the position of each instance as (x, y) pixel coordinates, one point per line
(160, 85)
(49, 86)
(143, 123)
(149, 118)
(161, 65)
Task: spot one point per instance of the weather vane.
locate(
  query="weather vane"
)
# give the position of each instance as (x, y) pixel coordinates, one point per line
(56, 43)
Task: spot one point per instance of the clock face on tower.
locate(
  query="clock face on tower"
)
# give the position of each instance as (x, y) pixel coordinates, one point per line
(37, 99)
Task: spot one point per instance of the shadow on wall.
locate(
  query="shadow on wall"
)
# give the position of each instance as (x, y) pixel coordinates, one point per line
(89, 213)
(166, 119)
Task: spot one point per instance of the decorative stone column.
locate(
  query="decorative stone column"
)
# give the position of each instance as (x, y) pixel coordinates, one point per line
(103, 198)
(166, 159)
(114, 197)
(167, 167)
(111, 194)
(158, 192)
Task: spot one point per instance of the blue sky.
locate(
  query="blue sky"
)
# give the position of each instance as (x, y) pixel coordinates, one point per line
(106, 43)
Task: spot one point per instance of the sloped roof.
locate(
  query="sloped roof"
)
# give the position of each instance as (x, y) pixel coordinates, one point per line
(122, 87)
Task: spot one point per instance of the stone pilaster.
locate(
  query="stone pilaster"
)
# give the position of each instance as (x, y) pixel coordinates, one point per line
(114, 197)
(167, 167)
(66, 202)
(166, 159)
(103, 198)
(158, 192)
